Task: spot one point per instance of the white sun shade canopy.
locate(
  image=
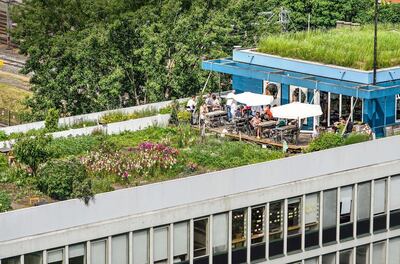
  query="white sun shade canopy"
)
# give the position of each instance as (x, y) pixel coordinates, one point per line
(296, 110)
(253, 99)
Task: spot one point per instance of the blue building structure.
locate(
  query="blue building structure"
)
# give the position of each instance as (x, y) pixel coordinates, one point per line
(339, 90)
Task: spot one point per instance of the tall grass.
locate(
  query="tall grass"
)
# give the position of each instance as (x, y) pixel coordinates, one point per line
(348, 47)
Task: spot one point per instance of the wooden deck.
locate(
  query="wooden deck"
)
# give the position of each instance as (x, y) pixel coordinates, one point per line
(304, 140)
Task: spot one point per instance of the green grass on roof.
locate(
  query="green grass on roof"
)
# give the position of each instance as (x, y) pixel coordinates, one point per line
(343, 47)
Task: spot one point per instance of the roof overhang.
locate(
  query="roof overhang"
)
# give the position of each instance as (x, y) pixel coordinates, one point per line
(253, 57)
(316, 82)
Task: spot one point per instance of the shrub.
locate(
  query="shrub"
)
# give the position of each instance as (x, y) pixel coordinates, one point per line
(325, 141)
(184, 117)
(354, 138)
(120, 116)
(5, 202)
(51, 121)
(174, 113)
(33, 151)
(3, 161)
(71, 146)
(166, 110)
(3, 136)
(65, 179)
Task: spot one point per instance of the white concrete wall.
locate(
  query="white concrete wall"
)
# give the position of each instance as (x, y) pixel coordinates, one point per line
(288, 176)
(68, 121)
(113, 128)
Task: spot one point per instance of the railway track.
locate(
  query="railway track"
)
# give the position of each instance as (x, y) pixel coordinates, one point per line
(11, 62)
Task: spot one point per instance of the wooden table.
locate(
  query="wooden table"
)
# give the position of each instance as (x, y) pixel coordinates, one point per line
(284, 129)
(215, 118)
(267, 124)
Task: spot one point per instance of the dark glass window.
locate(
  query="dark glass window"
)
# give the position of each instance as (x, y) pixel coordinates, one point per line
(294, 224)
(363, 208)
(346, 212)
(275, 228)
(329, 216)
(312, 215)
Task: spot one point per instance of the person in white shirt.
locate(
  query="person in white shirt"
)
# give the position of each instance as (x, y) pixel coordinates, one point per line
(191, 106)
(230, 104)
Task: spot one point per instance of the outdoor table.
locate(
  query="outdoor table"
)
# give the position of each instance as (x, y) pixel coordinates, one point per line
(267, 124)
(214, 118)
(281, 130)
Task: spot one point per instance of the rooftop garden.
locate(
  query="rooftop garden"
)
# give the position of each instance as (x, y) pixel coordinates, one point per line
(343, 47)
(46, 170)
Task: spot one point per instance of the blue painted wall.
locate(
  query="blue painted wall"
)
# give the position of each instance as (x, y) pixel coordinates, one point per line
(243, 84)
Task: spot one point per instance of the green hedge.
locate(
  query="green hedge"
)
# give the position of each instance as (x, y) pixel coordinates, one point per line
(5, 202)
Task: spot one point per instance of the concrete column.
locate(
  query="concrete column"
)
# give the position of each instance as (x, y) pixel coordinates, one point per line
(267, 231)
(338, 215)
(285, 231)
(22, 259)
(230, 238)
(191, 241)
(65, 255)
(45, 256)
(371, 228)
(321, 217)
(130, 249)
(109, 250)
(210, 242)
(171, 244)
(88, 254)
(355, 210)
(303, 222)
(151, 242)
(388, 203)
(248, 234)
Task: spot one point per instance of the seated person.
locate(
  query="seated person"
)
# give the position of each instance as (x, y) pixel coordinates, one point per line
(255, 121)
(267, 113)
(246, 111)
(216, 105)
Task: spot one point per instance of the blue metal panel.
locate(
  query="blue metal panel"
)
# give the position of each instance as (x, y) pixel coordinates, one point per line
(285, 94)
(290, 78)
(390, 109)
(243, 84)
(318, 69)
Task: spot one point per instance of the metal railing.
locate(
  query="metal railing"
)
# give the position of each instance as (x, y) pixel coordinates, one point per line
(9, 118)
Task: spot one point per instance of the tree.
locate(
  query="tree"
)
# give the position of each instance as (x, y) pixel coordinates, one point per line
(51, 121)
(33, 151)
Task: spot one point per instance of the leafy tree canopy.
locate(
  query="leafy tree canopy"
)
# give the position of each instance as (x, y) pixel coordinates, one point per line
(92, 55)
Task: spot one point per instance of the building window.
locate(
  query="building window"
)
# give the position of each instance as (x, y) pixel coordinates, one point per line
(398, 108)
(13, 260)
(380, 205)
(55, 256)
(294, 224)
(358, 109)
(346, 212)
(379, 253)
(345, 110)
(274, 89)
(140, 241)
(362, 254)
(363, 208)
(394, 202)
(119, 249)
(98, 252)
(329, 259)
(346, 257)
(329, 216)
(220, 238)
(239, 230)
(77, 254)
(160, 245)
(257, 233)
(298, 94)
(181, 242)
(34, 258)
(312, 220)
(200, 237)
(394, 252)
(311, 261)
(275, 228)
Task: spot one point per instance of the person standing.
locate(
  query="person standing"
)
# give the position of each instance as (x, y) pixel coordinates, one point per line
(191, 106)
(230, 104)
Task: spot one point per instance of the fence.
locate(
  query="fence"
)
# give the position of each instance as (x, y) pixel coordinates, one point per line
(9, 118)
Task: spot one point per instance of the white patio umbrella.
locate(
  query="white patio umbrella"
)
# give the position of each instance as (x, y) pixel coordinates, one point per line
(296, 110)
(253, 99)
